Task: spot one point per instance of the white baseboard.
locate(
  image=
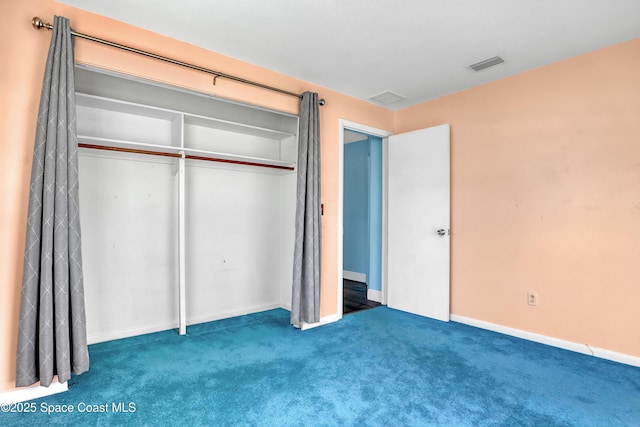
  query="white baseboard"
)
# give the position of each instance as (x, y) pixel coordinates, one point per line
(555, 342)
(615, 356)
(374, 295)
(323, 321)
(233, 313)
(29, 393)
(94, 338)
(285, 305)
(98, 337)
(356, 277)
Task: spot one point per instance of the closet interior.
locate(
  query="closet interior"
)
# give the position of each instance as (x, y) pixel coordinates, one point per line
(196, 222)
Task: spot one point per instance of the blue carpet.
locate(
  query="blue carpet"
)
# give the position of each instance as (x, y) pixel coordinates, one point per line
(375, 367)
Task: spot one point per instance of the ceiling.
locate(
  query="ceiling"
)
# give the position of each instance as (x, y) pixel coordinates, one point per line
(419, 49)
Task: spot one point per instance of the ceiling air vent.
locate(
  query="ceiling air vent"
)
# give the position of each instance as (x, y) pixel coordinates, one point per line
(387, 97)
(490, 62)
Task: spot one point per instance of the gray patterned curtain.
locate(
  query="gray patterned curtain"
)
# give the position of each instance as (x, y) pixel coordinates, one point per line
(52, 336)
(305, 304)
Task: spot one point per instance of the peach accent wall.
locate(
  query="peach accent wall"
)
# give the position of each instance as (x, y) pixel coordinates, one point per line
(24, 50)
(546, 197)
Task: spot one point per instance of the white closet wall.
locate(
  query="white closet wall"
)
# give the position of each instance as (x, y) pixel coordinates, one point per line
(239, 219)
(129, 233)
(234, 242)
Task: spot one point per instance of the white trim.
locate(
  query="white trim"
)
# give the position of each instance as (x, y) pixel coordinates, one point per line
(323, 321)
(340, 302)
(234, 313)
(385, 224)
(182, 257)
(99, 337)
(615, 356)
(29, 393)
(555, 342)
(356, 277)
(342, 125)
(285, 306)
(363, 128)
(374, 295)
(116, 335)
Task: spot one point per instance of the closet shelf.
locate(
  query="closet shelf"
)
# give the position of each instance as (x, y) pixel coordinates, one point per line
(119, 114)
(98, 102)
(108, 104)
(192, 153)
(228, 126)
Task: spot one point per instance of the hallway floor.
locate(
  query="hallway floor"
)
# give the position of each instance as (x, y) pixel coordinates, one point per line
(355, 297)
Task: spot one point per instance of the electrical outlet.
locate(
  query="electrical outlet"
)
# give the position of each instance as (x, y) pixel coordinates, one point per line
(532, 298)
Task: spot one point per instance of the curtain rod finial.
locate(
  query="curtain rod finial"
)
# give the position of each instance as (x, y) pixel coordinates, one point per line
(39, 23)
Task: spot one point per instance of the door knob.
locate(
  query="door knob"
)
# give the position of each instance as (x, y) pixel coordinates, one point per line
(442, 232)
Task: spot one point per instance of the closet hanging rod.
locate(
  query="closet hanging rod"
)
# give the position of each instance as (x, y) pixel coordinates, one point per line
(186, 156)
(39, 23)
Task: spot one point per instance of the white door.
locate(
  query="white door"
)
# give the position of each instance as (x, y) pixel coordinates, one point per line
(418, 222)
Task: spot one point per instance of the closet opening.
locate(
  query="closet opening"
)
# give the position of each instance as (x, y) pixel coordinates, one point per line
(187, 205)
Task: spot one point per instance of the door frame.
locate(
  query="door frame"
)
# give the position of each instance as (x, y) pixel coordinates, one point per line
(358, 127)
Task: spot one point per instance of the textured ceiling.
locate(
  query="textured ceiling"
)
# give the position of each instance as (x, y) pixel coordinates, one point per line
(419, 49)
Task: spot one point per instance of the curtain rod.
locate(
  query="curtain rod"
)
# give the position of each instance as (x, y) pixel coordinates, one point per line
(39, 23)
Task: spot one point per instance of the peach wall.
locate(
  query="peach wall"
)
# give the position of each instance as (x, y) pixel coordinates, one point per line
(546, 197)
(23, 51)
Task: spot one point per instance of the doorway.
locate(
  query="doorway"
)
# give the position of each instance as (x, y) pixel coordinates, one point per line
(404, 271)
(362, 216)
